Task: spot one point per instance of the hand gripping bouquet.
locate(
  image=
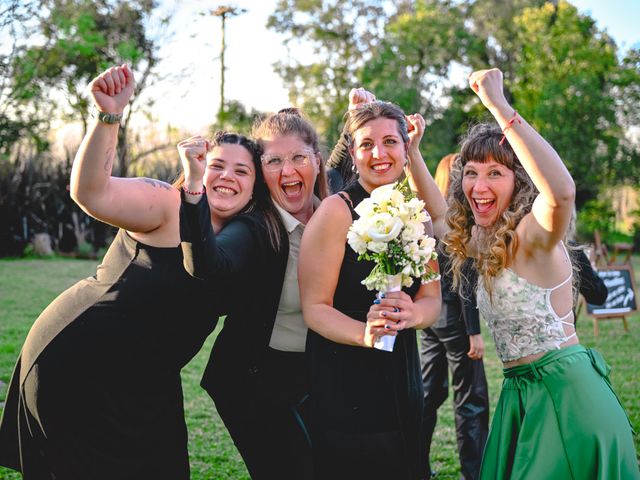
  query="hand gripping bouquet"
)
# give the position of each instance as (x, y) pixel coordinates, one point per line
(391, 233)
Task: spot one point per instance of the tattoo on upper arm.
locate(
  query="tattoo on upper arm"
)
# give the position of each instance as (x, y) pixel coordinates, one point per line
(156, 183)
(108, 164)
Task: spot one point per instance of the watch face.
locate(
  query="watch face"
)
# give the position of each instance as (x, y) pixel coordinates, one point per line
(109, 117)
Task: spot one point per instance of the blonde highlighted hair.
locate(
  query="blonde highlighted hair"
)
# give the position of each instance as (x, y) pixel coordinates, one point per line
(442, 176)
(291, 121)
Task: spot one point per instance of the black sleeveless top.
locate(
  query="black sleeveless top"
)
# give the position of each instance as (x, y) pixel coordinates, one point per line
(104, 360)
(131, 312)
(351, 385)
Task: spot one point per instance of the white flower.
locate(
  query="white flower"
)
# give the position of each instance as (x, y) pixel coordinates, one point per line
(356, 242)
(384, 227)
(377, 247)
(366, 208)
(386, 194)
(412, 231)
(391, 232)
(422, 216)
(428, 245)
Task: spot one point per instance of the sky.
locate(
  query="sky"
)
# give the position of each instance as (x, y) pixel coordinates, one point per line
(191, 102)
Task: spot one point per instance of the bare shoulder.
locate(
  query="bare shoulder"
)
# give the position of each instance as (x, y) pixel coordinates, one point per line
(332, 210)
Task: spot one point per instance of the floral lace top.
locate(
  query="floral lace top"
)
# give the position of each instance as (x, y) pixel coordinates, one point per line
(521, 318)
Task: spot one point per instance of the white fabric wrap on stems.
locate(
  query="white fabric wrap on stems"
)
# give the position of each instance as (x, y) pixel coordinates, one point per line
(386, 342)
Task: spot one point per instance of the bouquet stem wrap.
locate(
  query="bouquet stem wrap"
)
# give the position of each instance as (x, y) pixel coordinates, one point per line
(386, 342)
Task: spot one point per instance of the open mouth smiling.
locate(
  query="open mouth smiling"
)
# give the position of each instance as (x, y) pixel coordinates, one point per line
(381, 167)
(291, 188)
(483, 205)
(225, 191)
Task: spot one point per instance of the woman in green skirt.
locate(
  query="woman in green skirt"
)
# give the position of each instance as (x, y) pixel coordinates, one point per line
(510, 203)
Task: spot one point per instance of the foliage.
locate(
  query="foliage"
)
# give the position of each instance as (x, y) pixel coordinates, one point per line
(596, 214)
(34, 198)
(562, 84)
(416, 54)
(636, 230)
(626, 93)
(236, 118)
(342, 36)
(68, 43)
(561, 72)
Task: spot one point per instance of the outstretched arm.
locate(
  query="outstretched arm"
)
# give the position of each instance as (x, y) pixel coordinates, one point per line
(421, 180)
(552, 209)
(135, 204)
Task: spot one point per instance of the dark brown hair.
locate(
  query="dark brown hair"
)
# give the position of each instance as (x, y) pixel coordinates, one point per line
(356, 118)
(261, 198)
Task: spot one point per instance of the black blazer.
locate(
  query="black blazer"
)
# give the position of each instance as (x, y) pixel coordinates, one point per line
(246, 275)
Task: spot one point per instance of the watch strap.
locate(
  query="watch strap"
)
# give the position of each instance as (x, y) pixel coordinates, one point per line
(110, 118)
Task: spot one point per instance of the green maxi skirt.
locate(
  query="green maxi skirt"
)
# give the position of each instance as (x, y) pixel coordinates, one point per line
(558, 418)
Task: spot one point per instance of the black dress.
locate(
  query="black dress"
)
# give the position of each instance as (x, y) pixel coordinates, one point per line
(444, 347)
(96, 393)
(367, 403)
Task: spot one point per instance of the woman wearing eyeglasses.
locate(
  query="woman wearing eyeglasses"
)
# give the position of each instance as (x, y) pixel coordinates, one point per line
(257, 373)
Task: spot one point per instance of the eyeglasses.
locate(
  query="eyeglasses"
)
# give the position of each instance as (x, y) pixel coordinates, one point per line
(274, 162)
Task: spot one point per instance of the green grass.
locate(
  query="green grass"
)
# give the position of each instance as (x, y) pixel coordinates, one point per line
(27, 286)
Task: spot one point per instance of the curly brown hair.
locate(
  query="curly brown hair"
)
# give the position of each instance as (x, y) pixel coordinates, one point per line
(496, 245)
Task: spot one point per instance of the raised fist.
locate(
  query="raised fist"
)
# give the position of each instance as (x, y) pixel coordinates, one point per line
(112, 90)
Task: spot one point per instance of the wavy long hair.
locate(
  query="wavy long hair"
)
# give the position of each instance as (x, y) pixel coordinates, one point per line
(497, 244)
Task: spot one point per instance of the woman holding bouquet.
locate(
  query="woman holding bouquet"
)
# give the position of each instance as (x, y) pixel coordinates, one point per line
(512, 198)
(96, 392)
(367, 403)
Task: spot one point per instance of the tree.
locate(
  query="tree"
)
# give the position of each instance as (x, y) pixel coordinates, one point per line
(563, 84)
(342, 36)
(236, 118)
(561, 73)
(412, 64)
(626, 93)
(16, 119)
(80, 39)
(416, 54)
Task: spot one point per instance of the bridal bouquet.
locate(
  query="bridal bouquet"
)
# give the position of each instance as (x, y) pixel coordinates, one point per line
(390, 232)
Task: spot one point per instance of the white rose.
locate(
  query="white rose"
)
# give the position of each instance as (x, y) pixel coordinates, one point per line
(383, 194)
(412, 231)
(428, 244)
(361, 226)
(384, 227)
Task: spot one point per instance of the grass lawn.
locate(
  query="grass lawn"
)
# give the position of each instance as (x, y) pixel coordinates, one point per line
(27, 286)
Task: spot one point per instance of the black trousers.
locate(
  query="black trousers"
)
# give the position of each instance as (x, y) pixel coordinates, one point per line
(271, 430)
(442, 349)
